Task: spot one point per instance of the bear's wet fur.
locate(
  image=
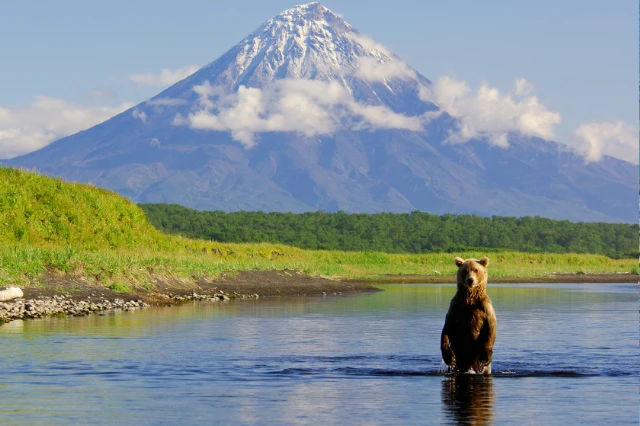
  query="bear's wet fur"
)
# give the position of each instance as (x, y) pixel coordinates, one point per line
(469, 330)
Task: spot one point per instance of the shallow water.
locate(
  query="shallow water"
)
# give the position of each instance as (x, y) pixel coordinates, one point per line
(564, 354)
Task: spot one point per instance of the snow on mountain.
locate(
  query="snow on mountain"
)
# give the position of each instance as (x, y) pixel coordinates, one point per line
(308, 42)
(306, 70)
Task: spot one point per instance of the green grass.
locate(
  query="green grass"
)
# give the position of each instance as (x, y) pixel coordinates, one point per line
(39, 210)
(119, 287)
(124, 269)
(74, 230)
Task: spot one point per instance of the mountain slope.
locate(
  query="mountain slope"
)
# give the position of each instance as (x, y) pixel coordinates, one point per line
(305, 114)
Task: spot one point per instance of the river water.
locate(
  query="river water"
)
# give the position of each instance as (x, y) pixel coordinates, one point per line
(565, 354)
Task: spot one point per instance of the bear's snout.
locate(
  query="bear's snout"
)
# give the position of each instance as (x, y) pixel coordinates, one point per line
(470, 281)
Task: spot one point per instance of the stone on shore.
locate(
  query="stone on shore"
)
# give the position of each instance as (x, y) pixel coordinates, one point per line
(10, 293)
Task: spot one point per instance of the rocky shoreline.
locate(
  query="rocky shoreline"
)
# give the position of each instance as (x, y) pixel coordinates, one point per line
(61, 305)
(72, 296)
(20, 309)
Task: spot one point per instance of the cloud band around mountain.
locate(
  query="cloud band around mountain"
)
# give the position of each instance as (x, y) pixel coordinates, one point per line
(375, 71)
(314, 108)
(310, 107)
(490, 114)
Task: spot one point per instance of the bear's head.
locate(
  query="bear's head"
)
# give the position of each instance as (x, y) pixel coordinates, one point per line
(472, 274)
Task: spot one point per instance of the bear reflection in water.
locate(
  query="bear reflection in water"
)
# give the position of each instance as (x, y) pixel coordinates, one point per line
(468, 399)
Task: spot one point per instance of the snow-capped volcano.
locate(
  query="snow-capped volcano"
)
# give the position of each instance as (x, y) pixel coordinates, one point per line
(308, 42)
(305, 70)
(305, 114)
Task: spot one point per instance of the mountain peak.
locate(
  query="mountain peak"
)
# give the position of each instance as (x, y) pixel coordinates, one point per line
(305, 22)
(305, 42)
(312, 11)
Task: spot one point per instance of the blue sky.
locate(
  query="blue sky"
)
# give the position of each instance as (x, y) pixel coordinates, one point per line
(581, 57)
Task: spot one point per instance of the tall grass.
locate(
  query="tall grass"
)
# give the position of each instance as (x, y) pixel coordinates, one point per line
(25, 265)
(38, 210)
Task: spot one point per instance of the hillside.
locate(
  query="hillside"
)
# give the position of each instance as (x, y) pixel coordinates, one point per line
(39, 211)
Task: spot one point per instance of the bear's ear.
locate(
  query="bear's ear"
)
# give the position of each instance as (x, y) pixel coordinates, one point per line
(484, 261)
(459, 261)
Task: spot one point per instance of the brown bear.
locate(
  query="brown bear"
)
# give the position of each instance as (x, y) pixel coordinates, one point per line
(470, 326)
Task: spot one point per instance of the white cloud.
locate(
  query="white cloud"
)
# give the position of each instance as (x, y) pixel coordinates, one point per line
(369, 44)
(165, 102)
(522, 87)
(310, 107)
(166, 77)
(180, 120)
(616, 139)
(140, 115)
(490, 114)
(205, 92)
(380, 117)
(377, 63)
(373, 70)
(28, 128)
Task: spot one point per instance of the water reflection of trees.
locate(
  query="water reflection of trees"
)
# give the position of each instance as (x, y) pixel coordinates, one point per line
(468, 399)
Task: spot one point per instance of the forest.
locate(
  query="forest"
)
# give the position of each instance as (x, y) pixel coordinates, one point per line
(415, 232)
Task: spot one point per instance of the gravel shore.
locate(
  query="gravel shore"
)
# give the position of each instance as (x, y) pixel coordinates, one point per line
(63, 296)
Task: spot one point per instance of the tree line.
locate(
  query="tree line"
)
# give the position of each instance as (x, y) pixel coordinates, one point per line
(415, 232)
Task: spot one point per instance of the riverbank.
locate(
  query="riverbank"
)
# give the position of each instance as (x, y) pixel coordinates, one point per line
(75, 249)
(62, 295)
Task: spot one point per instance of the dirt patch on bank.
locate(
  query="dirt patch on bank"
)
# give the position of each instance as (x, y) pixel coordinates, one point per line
(164, 291)
(285, 283)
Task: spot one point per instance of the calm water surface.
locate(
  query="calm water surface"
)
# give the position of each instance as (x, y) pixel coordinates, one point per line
(565, 354)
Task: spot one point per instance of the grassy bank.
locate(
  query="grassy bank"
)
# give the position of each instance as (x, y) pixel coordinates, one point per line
(125, 269)
(52, 228)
